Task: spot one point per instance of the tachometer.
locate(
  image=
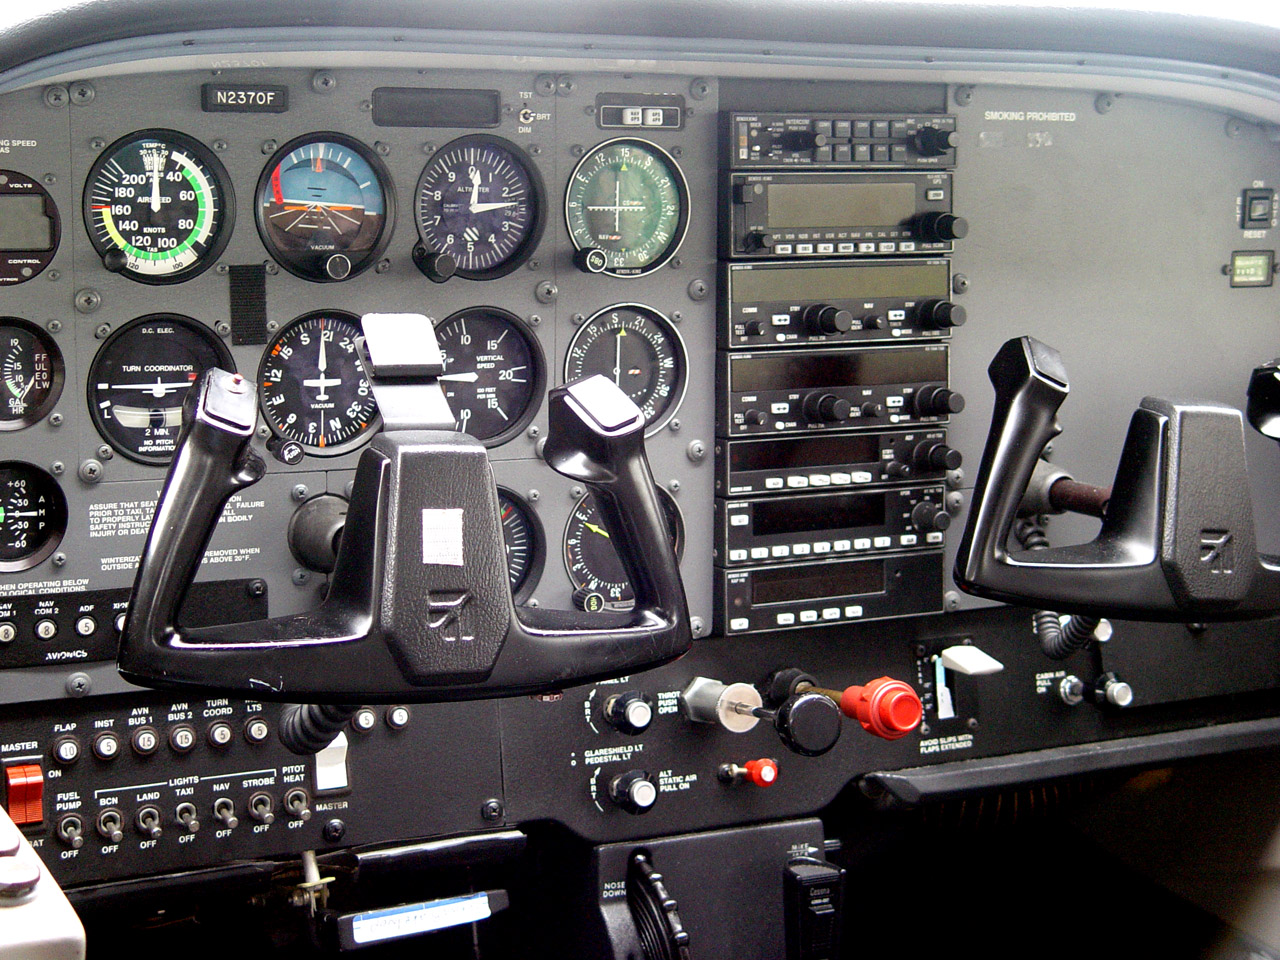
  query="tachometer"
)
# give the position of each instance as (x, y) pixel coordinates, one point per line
(480, 203)
(638, 349)
(312, 387)
(140, 378)
(158, 206)
(627, 208)
(523, 539)
(31, 373)
(593, 565)
(325, 207)
(494, 373)
(33, 515)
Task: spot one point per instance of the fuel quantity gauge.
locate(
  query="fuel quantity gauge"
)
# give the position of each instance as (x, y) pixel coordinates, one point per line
(33, 515)
(31, 373)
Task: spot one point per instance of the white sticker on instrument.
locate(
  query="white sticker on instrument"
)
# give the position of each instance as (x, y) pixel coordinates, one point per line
(411, 919)
(442, 537)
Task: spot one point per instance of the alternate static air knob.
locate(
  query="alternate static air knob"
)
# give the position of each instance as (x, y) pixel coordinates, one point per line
(928, 517)
(630, 712)
(932, 142)
(939, 227)
(935, 400)
(939, 314)
(933, 455)
(886, 707)
(436, 267)
(826, 408)
(824, 318)
(634, 791)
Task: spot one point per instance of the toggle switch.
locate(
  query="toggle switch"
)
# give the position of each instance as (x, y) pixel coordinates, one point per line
(24, 797)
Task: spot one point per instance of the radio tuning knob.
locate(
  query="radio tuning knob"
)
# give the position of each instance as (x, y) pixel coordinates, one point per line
(936, 456)
(630, 712)
(932, 142)
(590, 260)
(940, 313)
(824, 318)
(936, 400)
(826, 407)
(436, 267)
(802, 140)
(938, 227)
(872, 321)
(753, 328)
(755, 418)
(871, 409)
(897, 470)
(928, 517)
(634, 791)
(758, 240)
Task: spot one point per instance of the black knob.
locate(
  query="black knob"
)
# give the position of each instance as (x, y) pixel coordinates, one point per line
(315, 530)
(802, 140)
(871, 409)
(826, 407)
(940, 313)
(753, 328)
(928, 517)
(808, 723)
(590, 260)
(872, 321)
(436, 267)
(758, 240)
(115, 260)
(936, 400)
(748, 192)
(1263, 408)
(755, 418)
(588, 600)
(932, 142)
(630, 712)
(930, 455)
(938, 227)
(897, 470)
(634, 791)
(824, 318)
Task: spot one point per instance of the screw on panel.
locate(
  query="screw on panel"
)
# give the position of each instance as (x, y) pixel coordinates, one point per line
(535, 150)
(696, 451)
(546, 292)
(534, 320)
(544, 85)
(223, 328)
(382, 148)
(301, 576)
(90, 471)
(272, 269)
(299, 492)
(219, 146)
(674, 425)
(78, 685)
(675, 486)
(589, 110)
(105, 452)
(55, 419)
(925, 729)
(382, 266)
(88, 300)
(49, 179)
(699, 88)
(59, 559)
(54, 326)
(256, 587)
(1105, 101)
(97, 143)
(268, 147)
(273, 326)
(56, 96)
(677, 152)
(951, 601)
(335, 830)
(57, 468)
(322, 81)
(576, 491)
(972, 723)
(1234, 128)
(53, 275)
(102, 331)
(366, 105)
(263, 432)
(491, 810)
(697, 626)
(565, 85)
(698, 290)
(959, 283)
(963, 95)
(579, 318)
(533, 496)
(534, 264)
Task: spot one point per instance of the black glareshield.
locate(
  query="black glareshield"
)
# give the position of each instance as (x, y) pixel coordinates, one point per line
(419, 607)
(1177, 541)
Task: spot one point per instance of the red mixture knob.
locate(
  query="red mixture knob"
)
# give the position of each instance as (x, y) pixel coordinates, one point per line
(886, 707)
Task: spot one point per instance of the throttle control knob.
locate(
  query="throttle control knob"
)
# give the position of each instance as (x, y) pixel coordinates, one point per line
(886, 707)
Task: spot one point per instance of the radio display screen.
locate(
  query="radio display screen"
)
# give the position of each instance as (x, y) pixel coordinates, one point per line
(795, 206)
(797, 284)
(788, 584)
(812, 514)
(23, 224)
(867, 368)
(804, 452)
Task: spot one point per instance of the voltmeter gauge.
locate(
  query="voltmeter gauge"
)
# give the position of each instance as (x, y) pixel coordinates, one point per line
(480, 202)
(627, 208)
(312, 387)
(325, 207)
(33, 515)
(31, 373)
(140, 378)
(494, 372)
(526, 546)
(638, 349)
(158, 206)
(594, 568)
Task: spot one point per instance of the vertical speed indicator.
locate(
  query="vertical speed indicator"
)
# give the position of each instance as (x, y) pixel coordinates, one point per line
(157, 206)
